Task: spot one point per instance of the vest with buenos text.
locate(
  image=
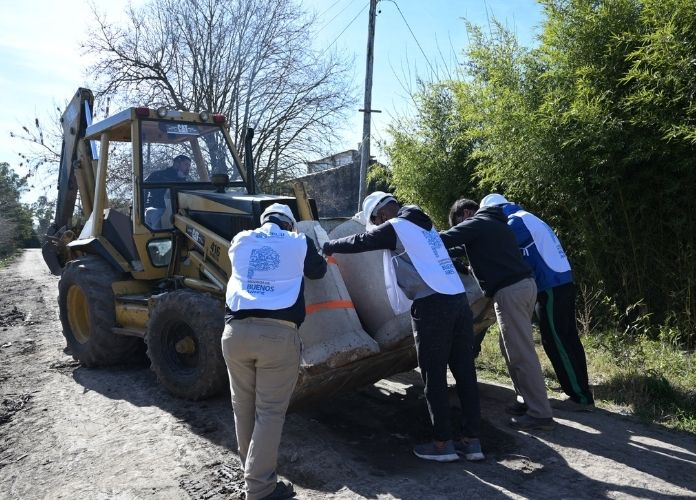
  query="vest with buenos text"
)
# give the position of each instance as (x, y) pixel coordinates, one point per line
(267, 267)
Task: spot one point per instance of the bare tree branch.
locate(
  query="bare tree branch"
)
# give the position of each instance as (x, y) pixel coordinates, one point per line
(249, 59)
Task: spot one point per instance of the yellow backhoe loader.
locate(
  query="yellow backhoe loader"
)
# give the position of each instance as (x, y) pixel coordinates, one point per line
(155, 272)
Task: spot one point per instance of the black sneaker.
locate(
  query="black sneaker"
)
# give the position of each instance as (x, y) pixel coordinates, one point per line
(516, 409)
(528, 423)
(283, 489)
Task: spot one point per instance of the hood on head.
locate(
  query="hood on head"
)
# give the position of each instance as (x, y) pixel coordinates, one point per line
(495, 212)
(414, 214)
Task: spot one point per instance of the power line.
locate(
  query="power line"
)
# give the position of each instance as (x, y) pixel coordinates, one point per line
(334, 17)
(329, 8)
(414, 38)
(346, 27)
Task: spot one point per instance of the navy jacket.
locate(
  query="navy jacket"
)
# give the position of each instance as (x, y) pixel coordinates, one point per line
(491, 248)
(383, 237)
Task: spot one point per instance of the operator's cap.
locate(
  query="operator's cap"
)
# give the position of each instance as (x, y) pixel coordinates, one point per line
(492, 200)
(373, 202)
(280, 211)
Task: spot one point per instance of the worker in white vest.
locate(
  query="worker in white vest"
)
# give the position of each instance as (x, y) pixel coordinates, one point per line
(503, 275)
(556, 301)
(261, 344)
(420, 276)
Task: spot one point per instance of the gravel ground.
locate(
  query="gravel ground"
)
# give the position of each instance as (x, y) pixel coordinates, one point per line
(72, 432)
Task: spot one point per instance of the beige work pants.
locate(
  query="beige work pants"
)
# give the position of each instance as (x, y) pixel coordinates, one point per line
(262, 357)
(514, 306)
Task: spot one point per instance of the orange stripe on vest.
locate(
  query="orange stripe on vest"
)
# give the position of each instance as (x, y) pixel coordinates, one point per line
(331, 260)
(331, 304)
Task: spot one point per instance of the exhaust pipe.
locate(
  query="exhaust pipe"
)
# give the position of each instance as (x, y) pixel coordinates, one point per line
(248, 151)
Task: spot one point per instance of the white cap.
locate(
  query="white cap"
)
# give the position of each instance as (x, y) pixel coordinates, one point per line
(281, 211)
(373, 202)
(492, 200)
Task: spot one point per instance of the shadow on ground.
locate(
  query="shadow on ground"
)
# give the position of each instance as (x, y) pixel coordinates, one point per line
(360, 443)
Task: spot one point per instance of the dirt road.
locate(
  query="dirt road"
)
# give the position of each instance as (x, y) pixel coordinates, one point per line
(72, 432)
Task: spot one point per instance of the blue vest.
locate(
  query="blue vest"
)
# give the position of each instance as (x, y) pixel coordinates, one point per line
(540, 248)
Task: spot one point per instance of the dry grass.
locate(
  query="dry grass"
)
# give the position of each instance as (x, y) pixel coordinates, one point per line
(651, 379)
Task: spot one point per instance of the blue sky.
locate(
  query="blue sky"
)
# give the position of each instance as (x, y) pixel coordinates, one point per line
(410, 46)
(41, 64)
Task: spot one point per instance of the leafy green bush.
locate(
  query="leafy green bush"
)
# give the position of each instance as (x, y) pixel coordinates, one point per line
(593, 130)
(15, 218)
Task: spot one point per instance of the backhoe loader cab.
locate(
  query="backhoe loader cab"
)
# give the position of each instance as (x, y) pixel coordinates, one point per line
(157, 275)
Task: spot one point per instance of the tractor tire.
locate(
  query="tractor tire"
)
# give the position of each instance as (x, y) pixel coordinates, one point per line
(86, 306)
(184, 344)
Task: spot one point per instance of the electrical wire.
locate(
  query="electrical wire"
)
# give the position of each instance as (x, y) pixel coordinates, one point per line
(346, 27)
(414, 38)
(334, 17)
(329, 8)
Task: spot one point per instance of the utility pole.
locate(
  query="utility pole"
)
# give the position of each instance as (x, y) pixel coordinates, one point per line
(277, 159)
(364, 159)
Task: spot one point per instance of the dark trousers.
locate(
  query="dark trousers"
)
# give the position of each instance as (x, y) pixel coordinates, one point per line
(444, 333)
(556, 312)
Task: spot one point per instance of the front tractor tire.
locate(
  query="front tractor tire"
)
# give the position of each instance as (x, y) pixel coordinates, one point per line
(184, 344)
(86, 307)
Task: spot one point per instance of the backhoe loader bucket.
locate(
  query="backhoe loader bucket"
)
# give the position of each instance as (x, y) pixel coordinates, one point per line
(363, 274)
(338, 353)
(332, 335)
(364, 278)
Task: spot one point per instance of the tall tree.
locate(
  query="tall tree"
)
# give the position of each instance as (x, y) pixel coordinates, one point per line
(430, 152)
(594, 129)
(15, 218)
(620, 103)
(249, 59)
(43, 211)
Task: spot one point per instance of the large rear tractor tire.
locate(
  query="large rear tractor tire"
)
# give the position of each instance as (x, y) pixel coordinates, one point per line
(86, 305)
(184, 344)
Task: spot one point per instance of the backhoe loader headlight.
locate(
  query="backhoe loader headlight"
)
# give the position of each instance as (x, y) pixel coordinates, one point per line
(204, 115)
(162, 112)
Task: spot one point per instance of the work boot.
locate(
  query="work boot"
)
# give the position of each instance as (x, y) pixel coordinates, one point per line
(516, 409)
(440, 451)
(528, 423)
(283, 489)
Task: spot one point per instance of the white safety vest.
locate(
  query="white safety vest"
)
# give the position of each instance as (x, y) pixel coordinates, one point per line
(267, 266)
(430, 258)
(546, 242)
